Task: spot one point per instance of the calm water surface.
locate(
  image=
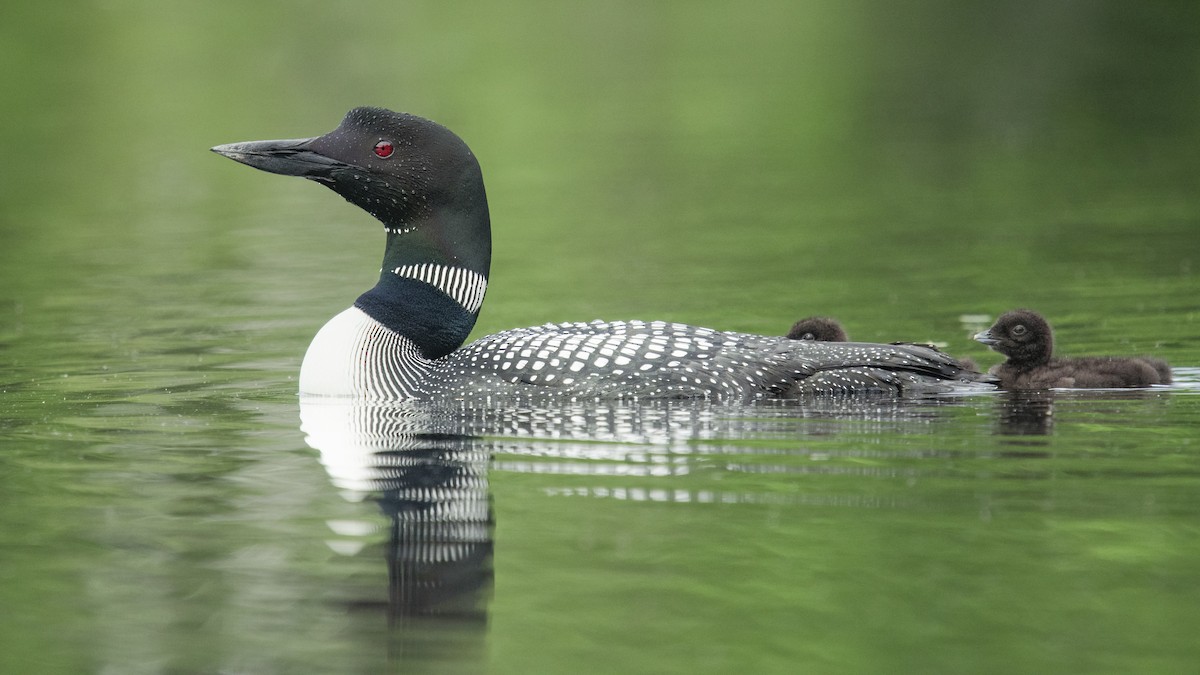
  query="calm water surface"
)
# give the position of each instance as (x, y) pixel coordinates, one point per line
(169, 505)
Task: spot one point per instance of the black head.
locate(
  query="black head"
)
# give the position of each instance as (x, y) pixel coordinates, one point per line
(414, 175)
(819, 328)
(1022, 335)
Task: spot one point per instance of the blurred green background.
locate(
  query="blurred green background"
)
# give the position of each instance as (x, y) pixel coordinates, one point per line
(731, 164)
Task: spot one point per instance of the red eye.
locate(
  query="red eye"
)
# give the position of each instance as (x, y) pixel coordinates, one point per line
(384, 149)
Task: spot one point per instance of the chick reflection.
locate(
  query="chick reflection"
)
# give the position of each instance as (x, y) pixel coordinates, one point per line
(1032, 412)
(432, 485)
(1025, 413)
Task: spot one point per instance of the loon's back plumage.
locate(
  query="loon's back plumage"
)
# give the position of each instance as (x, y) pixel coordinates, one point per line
(656, 359)
(402, 339)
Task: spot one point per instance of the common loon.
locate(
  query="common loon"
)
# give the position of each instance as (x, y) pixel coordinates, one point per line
(1025, 337)
(403, 338)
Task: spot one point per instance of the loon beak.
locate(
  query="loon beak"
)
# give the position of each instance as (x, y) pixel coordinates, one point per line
(986, 338)
(289, 157)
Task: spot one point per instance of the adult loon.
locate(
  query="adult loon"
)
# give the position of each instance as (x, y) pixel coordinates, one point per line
(1025, 337)
(403, 338)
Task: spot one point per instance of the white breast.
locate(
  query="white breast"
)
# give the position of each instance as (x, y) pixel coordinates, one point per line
(355, 355)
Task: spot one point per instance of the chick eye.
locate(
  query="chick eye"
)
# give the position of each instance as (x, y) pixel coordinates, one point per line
(1018, 330)
(384, 149)
(808, 336)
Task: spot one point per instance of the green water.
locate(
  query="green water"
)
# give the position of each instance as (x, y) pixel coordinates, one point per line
(900, 167)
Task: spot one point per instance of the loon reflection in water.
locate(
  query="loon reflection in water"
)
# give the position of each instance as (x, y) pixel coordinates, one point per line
(426, 467)
(432, 487)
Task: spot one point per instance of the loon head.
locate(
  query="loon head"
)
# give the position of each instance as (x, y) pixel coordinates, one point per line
(1022, 335)
(414, 175)
(819, 328)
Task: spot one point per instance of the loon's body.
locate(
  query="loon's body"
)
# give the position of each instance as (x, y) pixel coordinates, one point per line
(403, 338)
